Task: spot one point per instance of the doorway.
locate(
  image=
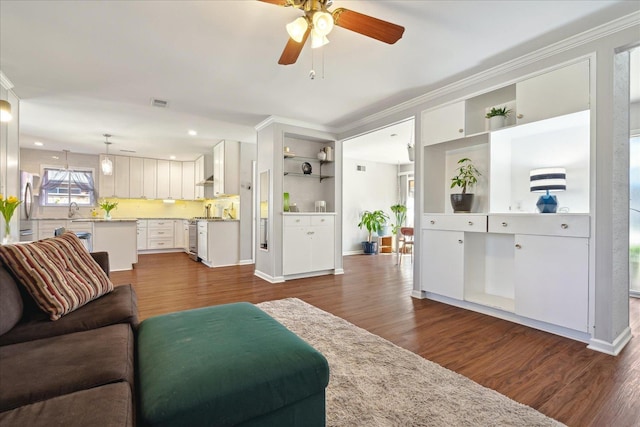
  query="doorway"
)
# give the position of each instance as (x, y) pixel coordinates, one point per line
(634, 173)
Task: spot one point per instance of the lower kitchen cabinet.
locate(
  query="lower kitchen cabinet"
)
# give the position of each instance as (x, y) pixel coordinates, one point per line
(308, 244)
(219, 243)
(142, 234)
(160, 234)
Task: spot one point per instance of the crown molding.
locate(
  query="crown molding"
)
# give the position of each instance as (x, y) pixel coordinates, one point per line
(292, 122)
(572, 42)
(5, 82)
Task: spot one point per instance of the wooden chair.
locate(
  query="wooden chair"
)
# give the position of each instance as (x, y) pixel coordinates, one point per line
(406, 239)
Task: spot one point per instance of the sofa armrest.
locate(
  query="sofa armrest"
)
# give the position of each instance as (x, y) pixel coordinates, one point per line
(102, 258)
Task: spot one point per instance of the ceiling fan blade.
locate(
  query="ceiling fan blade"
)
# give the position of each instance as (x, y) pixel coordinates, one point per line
(292, 50)
(368, 25)
(276, 2)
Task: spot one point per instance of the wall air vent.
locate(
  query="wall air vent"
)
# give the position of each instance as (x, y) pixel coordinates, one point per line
(160, 103)
(361, 168)
(127, 151)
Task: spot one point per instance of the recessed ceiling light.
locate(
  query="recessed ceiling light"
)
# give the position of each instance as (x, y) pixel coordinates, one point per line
(192, 133)
(172, 157)
(38, 143)
(55, 157)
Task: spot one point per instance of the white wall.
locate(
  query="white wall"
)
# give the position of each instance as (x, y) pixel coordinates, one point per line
(248, 152)
(376, 188)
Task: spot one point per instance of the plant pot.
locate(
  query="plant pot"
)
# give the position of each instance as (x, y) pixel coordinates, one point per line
(369, 248)
(496, 122)
(385, 231)
(462, 202)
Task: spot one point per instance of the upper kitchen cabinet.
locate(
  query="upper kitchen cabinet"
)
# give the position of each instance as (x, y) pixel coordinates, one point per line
(188, 180)
(555, 93)
(163, 179)
(149, 170)
(199, 178)
(226, 168)
(122, 177)
(175, 180)
(444, 123)
(136, 174)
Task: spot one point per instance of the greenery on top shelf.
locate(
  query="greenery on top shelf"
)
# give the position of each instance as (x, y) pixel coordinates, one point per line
(498, 112)
(467, 175)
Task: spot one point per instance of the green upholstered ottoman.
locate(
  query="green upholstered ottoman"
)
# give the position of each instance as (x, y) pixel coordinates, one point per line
(228, 365)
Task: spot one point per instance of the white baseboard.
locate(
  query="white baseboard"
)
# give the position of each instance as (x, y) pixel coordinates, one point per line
(613, 348)
(245, 262)
(347, 253)
(418, 294)
(338, 271)
(268, 278)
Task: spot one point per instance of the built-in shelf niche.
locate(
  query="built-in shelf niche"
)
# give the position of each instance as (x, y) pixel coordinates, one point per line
(558, 142)
(476, 109)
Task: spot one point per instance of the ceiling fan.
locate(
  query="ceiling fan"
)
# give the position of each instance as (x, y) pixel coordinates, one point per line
(317, 22)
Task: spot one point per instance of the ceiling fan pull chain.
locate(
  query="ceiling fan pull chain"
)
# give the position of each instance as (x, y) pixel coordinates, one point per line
(312, 73)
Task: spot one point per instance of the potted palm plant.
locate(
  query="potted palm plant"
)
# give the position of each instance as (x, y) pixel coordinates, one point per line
(373, 222)
(497, 117)
(466, 177)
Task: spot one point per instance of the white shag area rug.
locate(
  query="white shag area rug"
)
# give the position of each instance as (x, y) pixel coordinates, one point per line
(373, 382)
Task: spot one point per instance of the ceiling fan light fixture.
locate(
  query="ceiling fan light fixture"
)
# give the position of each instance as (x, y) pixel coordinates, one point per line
(322, 23)
(297, 29)
(318, 40)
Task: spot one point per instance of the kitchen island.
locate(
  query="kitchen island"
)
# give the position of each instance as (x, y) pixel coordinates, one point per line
(118, 237)
(219, 242)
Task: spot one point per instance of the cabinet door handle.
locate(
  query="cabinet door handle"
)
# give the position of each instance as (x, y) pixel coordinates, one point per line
(518, 246)
(432, 222)
(504, 224)
(520, 116)
(470, 222)
(460, 241)
(297, 220)
(160, 232)
(564, 226)
(311, 232)
(460, 130)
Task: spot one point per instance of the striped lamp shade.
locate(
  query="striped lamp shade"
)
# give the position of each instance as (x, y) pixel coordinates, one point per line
(548, 179)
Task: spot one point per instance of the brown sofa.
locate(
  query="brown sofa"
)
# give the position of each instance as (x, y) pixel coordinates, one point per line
(75, 371)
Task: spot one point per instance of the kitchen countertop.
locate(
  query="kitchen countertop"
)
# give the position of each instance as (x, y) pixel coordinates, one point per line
(102, 220)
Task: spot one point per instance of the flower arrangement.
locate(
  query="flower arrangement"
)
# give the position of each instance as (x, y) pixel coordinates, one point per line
(8, 207)
(107, 206)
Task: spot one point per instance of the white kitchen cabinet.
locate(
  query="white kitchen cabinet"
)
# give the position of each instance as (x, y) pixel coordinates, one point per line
(555, 93)
(442, 256)
(163, 179)
(121, 177)
(308, 243)
(149, 170)
(160, 234)
(444, 123)
(118, 238)
(185, 234)
(175, 180)
(142, 234)
(188, 180)
(551, 280)
(178, 234)
(46, 227)
(226, 168)
(136, 176)
(199, 178)
(203, 241)
(106, 183)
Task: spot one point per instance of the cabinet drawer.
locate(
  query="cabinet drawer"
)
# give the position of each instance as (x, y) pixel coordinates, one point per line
(160, 243)
(324, 220)
(160, 233)
(456, 222)
(297, 220)
(541, 224)
(159, 223)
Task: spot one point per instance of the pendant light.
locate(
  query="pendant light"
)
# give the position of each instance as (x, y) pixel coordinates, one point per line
(106, 164)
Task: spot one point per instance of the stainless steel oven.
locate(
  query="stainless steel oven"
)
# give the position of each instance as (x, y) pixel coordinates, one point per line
(193, 239)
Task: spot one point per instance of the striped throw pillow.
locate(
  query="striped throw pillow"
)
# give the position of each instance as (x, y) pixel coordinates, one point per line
(58, 272)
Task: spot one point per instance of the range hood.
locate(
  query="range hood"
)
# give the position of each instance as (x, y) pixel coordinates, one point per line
(208, 181)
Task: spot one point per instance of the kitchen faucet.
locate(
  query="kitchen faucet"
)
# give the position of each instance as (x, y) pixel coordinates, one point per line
(73, 209)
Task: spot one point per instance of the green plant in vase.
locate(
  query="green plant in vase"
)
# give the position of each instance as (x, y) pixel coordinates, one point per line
(8, 207)
(107, 207)
(466, 177)
(497, 117)
(373, 223)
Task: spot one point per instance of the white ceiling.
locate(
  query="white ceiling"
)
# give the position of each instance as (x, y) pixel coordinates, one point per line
(84, 68)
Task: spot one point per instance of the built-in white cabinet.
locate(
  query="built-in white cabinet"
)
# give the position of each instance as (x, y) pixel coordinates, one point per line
(218, 243)
(308, 243)
(443, 123)
(188, 180)
(175, 180)
(149, 170)
(160, 234)
(203, 241)
(122, 177)
(178, 234)
(163, 179)
(47, 227)
(136, 178)
(554, 93)
(439, 248)
(142, 234)
(199, 178)
(226, 168)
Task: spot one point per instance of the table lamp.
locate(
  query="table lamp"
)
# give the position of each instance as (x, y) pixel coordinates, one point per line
(544, 180)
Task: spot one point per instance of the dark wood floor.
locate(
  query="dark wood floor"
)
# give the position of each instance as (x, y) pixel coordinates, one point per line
(554, 375)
